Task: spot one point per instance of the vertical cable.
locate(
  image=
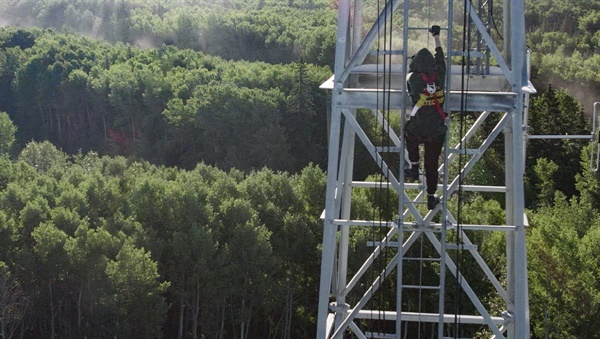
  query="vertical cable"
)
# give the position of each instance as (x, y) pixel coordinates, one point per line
(466, 62)
(387, 60)
(420, 282)
(375, 323)
(384, 52)
(382, 199)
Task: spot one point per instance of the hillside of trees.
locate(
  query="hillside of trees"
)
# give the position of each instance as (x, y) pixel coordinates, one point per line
(162, 169)
(564, 36)
(168, 106)
(257, 30)
(106, 247)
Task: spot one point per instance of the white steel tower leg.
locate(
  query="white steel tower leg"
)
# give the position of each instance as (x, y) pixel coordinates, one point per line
(332, 194)
(515, 168)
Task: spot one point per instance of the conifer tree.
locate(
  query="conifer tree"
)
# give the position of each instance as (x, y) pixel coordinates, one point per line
(7, 133)
(556, 112)
(299, 120)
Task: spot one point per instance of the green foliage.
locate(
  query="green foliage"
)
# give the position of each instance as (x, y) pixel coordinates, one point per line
(545, 170)
(43, 156)
(108, 247)
(564, 39)
(564, 289)
(556, 112)
(588, 182)
(272, 31)
(169, 106)
(309, 186)
(138, 299)
(13, 303)
(7, 133)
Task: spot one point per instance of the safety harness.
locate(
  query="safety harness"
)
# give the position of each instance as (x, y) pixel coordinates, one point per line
(430, 96)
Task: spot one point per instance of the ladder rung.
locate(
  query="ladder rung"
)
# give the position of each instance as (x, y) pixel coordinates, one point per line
(423, 230)
(461, 247)
(414, 203)
(470, 151)
(420, 287)
(379, 243)
(475, 54)
(425, 28)
(378, 335)
(370, 223)
(377, 69)
(420, 225)
(386, 52)
(388, 149)
(414, 228)
(421, 259)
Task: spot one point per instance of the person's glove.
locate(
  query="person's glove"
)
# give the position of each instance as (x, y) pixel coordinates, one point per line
(434, 30)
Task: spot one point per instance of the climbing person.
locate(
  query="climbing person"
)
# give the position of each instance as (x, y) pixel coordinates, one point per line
(427, 121)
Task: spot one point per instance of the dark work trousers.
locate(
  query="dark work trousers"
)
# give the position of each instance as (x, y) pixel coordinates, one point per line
(433, 149)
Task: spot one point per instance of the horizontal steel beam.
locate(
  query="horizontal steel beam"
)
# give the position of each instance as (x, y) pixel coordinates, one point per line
(468, 101)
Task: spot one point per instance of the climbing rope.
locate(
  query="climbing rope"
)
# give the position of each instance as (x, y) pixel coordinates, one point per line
(466, 63)
(383, 198)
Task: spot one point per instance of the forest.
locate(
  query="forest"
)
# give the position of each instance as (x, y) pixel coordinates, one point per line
(162, 168)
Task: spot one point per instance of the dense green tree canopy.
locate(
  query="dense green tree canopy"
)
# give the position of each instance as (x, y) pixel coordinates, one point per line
(111, 247)
(170, 106)
(260, 30)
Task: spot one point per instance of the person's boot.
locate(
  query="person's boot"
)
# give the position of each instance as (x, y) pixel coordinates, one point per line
(432, 201)
(412, 174)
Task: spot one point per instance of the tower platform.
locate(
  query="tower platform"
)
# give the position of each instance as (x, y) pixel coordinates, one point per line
(485, 92)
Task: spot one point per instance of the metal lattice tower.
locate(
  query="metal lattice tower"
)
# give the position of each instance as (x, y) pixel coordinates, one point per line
(346, 297)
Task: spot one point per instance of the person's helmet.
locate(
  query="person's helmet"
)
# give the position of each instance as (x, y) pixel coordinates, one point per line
(423, 61)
